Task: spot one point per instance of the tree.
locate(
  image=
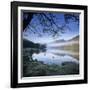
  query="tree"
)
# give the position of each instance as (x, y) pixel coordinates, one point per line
(49, 23)
(72, 17)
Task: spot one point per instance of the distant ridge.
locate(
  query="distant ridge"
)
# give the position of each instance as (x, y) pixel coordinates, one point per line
(59, 41)
(76, 38)
(30, 44)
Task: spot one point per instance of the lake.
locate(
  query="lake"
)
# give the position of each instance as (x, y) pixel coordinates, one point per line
(50, 62)
(52, 56)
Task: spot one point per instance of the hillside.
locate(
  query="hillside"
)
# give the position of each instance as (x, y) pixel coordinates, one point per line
(59, 41)
(29, 44)
(72, 46)
(76, 38)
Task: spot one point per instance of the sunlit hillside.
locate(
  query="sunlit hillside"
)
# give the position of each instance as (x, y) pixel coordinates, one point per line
(70, 46)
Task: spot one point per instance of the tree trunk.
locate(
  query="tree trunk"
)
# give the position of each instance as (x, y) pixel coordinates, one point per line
(27, 17)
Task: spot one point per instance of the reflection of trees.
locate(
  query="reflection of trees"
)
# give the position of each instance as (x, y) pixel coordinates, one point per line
(48, 21)
(31, 48)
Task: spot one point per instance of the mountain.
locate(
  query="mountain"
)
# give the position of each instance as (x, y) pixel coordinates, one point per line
(71, 46)
(29, 44)
(76, 38)
(62, 40)
(59, 41)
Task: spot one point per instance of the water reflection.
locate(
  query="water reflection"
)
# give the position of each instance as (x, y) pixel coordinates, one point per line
(50, 57)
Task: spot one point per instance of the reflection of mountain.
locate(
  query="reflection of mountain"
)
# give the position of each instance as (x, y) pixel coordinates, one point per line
(71, 46)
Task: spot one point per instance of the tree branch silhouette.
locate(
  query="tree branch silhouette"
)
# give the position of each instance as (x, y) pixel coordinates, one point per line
(48, 23)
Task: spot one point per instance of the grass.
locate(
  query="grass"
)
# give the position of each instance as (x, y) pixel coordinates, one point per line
(38, 68)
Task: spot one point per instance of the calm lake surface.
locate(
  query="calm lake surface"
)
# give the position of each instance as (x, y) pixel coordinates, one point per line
(52, 56)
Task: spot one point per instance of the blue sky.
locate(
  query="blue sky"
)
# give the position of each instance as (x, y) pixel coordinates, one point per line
(46, 38)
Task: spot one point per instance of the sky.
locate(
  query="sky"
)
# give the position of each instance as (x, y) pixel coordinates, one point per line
(46, 37)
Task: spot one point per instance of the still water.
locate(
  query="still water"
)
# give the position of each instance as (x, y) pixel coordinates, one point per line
(54, 57)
